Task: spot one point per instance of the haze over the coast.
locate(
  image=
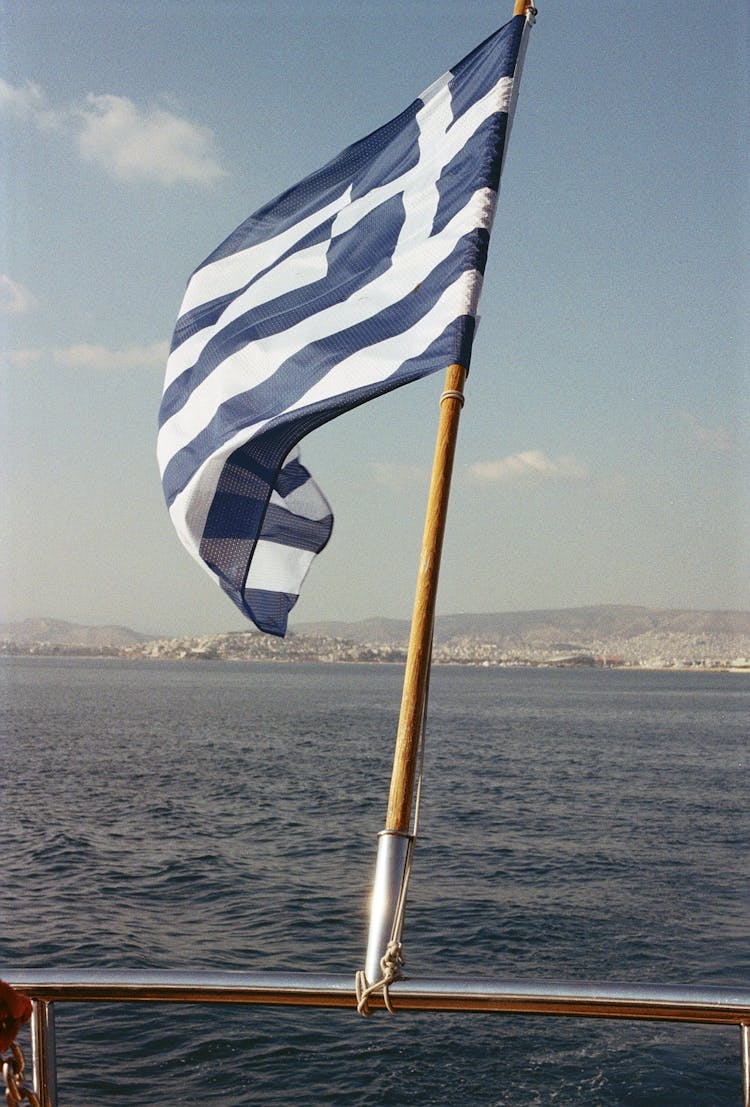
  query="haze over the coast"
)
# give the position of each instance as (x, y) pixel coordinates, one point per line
(603, 451)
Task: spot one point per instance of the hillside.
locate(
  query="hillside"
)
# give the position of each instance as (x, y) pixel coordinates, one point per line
(570, 624)
(57, 632)
(611, 635)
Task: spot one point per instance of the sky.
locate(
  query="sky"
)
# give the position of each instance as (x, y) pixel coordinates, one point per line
(603, 454)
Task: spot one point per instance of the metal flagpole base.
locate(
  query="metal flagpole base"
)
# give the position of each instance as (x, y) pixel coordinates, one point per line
(390, 867)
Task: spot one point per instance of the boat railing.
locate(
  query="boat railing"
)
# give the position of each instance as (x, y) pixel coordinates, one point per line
(723, 1005)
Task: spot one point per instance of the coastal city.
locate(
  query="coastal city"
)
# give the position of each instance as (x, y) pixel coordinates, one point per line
(584, 638)
(657, 652)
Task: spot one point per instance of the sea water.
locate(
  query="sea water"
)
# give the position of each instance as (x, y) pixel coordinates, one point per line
(198, 815)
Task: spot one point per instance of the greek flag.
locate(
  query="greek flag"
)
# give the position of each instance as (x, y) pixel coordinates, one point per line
(364, 276)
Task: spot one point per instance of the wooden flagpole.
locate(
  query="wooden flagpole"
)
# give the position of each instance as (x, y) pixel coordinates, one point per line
(418, 658)
(394, 842)
(419, 653)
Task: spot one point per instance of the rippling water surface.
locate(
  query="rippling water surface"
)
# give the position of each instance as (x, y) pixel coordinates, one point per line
(574, 825)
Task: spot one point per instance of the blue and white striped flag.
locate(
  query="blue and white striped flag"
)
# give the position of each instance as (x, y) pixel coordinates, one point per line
(361, 278)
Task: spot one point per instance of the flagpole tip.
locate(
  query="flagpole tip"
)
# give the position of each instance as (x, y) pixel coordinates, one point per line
(522, 6)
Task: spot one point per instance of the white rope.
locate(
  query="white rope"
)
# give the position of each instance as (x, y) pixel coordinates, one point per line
(422, 733)
(453, 394)
(390, 963)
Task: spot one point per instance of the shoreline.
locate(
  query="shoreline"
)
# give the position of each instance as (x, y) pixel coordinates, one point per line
(198, 658)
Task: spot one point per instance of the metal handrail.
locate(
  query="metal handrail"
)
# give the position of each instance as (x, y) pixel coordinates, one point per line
(728, 1004)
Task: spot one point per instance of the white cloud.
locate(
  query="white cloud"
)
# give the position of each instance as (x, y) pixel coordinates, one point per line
(155, 144)
(28, 102)
(530, 464)
(15, 298)
(128, 142)
(32, 355)
(718, 439)
(90, 356)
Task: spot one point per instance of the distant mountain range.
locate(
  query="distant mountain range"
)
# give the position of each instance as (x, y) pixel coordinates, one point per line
(632, 633)
(56, 632)
(562, 625)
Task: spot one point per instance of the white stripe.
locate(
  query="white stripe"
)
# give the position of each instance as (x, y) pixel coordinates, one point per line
(306, 501)
(276, 568)
(182, 525)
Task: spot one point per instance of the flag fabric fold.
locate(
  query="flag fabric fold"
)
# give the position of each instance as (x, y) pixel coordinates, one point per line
(361, 278)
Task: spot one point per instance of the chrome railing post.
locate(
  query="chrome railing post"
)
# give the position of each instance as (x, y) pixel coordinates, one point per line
(43, 1053)
(745, 1032)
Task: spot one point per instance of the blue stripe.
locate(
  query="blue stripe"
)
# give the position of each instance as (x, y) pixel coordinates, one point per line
(291, 477)
(233, 515)
(268, 610)
(296, 375)
(228, 558)
(288, 529)
(480, 70)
